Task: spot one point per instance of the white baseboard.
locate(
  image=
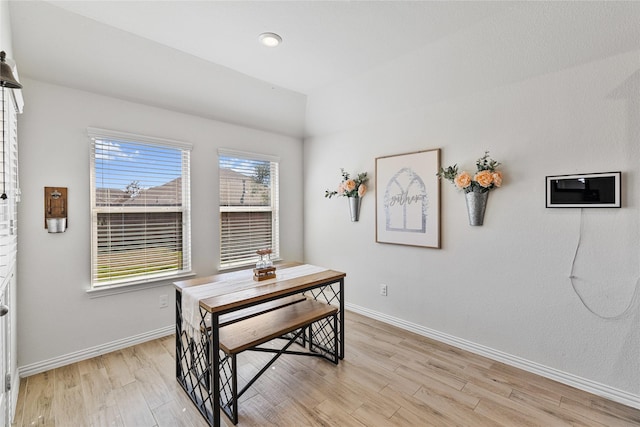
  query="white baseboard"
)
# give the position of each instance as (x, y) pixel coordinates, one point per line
(584, 384)
(56, 362)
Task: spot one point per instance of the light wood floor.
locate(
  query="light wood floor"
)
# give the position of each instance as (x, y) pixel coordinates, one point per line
(389, 377)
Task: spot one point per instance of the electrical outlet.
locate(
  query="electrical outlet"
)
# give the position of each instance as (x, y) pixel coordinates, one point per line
(164, 301)
(383, 290)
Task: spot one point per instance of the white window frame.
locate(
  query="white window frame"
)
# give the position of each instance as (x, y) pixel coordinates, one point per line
(274, 208)
(185, 209)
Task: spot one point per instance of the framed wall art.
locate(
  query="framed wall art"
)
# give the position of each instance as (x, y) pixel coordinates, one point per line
(408, 199)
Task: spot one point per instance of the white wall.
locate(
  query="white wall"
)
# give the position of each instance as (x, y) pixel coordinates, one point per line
(57, 316)
(503, 287)
(5, 29)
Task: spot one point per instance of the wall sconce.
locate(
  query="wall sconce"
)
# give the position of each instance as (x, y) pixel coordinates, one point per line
(55, 209)
(6, 80)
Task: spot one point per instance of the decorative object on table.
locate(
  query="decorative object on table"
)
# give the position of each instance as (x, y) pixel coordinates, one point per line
(593, 190)
(352, 188)
(7, 80)
(264, 267)
(476, 189)
(408, 199)
(55, 209)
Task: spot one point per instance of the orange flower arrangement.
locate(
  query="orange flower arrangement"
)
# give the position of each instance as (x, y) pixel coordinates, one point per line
(486, 178)
(350, 187)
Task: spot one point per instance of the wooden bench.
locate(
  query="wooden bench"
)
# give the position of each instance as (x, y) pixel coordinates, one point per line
(290, 322)
(264, 327)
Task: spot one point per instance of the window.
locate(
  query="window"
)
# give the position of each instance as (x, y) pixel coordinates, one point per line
(140, 201)
(9, 185)
(249, 218)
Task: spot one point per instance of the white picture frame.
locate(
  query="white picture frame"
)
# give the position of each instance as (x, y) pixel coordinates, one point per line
(408, 199)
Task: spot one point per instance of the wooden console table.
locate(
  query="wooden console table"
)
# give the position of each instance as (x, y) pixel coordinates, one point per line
(204, 305)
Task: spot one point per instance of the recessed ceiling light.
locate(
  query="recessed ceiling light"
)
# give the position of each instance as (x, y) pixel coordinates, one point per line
(270, 39)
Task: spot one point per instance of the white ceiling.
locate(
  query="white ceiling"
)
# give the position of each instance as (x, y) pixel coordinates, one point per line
(323, 40)
(203, 57)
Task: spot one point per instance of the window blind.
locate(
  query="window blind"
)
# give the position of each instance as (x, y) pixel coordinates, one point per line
(249, 216)
(140, 208)
(8, 184)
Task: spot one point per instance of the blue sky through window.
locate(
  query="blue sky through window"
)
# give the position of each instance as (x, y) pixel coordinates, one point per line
(118, 164)
(258, 169)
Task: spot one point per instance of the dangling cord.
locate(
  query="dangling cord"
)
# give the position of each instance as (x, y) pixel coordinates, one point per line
(4, 128)
(572, 277)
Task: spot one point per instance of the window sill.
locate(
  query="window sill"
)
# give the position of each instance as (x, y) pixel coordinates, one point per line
(249, 265)
(104, 291)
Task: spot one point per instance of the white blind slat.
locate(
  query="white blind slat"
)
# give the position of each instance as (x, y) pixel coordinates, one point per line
(248, 207)
(141, 207)
(8, 183)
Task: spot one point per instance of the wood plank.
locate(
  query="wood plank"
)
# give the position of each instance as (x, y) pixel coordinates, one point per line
(117, 369)
(543, 404)
(416, 409)
(39, 394)
(424, 375)
(405, 417)
(263, 413)
(96, 387)
(68, 406)
(456, 407)
(332, 413)
(133, 407)
(106, 416)
(341, 394)
(155, 391)
(22, 399)
(300, 414)
(281, 383)
(173, 414)
(67, 377)
(631, 418)
(486, 379)
(370, 415)
(68, 399)
(509, 412)
(90, 365)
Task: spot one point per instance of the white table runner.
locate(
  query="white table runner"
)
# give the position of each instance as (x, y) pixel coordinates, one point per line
(192, 296)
